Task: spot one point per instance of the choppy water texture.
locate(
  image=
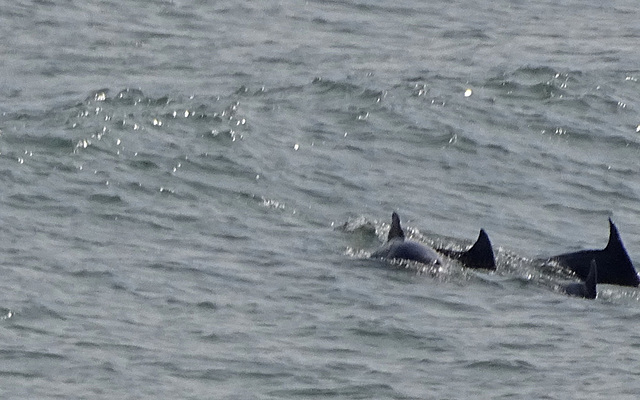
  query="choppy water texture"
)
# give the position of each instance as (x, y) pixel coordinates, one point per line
(190, 191)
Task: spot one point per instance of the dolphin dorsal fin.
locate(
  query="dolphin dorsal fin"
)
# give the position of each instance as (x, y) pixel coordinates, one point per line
(614, 237)
(619, 259)
(591, 281)
(480, 255)
(396, 230)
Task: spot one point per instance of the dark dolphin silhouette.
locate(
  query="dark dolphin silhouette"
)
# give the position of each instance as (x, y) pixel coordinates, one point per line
(480, 255)
(586, 289)
(614, 265)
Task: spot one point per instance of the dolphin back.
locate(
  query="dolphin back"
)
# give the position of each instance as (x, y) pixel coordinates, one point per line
(398, 248)
(614, 265)
(414, 251)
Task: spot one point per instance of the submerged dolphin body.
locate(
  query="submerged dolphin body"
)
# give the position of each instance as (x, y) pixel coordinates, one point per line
(586, 289)
(614, 265)
(480, 255)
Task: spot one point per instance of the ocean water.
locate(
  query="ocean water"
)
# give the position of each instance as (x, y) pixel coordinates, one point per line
(191, 190)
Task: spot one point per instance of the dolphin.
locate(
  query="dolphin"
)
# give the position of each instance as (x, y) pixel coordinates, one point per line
(480, 255)
(586, 289)
(614, 265)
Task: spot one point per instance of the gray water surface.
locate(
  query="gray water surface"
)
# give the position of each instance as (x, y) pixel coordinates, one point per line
(191, 190)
